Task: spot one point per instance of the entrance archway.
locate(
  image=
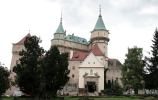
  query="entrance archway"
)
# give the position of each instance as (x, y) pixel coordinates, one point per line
(91, 87)
(91, 83)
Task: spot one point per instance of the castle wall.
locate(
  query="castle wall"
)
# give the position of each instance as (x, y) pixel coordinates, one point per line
(114, 72)
(98, 33)
(74, 71)
(15, 54)
(68, 44)
(103, 61)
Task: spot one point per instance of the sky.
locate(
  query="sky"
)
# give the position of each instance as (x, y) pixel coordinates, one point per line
(130, 22)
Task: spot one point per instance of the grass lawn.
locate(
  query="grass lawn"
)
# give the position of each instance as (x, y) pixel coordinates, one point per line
(106, 98)
(96, 98)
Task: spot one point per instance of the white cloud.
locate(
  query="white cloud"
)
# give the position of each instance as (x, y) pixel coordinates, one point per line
(149, 10)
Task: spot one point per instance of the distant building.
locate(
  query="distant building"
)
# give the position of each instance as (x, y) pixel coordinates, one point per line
(88, 59)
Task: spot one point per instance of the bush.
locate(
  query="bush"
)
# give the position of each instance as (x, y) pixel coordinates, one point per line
(112, 91)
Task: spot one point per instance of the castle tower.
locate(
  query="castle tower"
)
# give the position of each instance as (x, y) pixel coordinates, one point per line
(60, 33)
(17, 47)
(68, 43)
(99, 35)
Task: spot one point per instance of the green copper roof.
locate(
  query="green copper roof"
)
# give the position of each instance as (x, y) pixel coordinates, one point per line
(99, 24)
(60, 28)
(76, 39)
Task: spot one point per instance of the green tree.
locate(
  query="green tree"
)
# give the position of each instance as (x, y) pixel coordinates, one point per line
(55, 71)
(4, 79)
(151, 80)
(133, 69)
(28, 67)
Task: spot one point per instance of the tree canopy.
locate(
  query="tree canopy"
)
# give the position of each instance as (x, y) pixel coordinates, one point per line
(133, 69)
(41, 73)
(27, 69)
(55, 71)
(151, 80)
(4, 79)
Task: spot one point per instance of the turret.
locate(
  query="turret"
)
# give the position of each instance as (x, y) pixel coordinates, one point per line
(60, 33)
(99, 35)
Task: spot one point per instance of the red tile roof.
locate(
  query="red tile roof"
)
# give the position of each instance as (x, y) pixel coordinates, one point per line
(23, 39)
(96, 51)
(79, 56)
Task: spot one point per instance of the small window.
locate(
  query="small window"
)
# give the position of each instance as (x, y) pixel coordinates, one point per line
(73, 67)
(93, 62)
(73, 75)
(88, 62)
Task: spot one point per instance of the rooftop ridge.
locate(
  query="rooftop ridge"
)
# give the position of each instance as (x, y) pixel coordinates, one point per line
(77, 39)
(23, 39)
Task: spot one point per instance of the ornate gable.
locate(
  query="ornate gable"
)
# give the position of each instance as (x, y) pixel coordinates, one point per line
(91, 61)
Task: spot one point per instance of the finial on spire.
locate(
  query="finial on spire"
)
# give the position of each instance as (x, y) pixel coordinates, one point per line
(61, 17)
(99, 9)
(29, 30)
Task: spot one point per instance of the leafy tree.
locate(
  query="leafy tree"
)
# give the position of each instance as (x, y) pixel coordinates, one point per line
(4, 79)
(151, 80)
(55, 71)
(112, 88)
(133, 69)
(41, 75)
(28, 67)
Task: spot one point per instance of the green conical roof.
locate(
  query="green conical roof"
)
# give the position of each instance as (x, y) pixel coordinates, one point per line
(60, 28)
(100, 24)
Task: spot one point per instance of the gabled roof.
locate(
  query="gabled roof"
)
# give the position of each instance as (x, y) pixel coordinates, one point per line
(91, 61)
(23, 39)
(79, 56)
(100, 24)
(96, 51)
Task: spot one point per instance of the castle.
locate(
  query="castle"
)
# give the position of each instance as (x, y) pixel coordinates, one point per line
(89, 64)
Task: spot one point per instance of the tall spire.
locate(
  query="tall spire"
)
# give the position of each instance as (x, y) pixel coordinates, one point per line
(100, 23)
(60, 28)
(100, 9)
(61, 18)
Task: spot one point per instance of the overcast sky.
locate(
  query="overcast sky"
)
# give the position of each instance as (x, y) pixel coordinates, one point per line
(130, 22)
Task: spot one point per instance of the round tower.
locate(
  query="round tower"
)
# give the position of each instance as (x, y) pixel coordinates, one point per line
(99, 35)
